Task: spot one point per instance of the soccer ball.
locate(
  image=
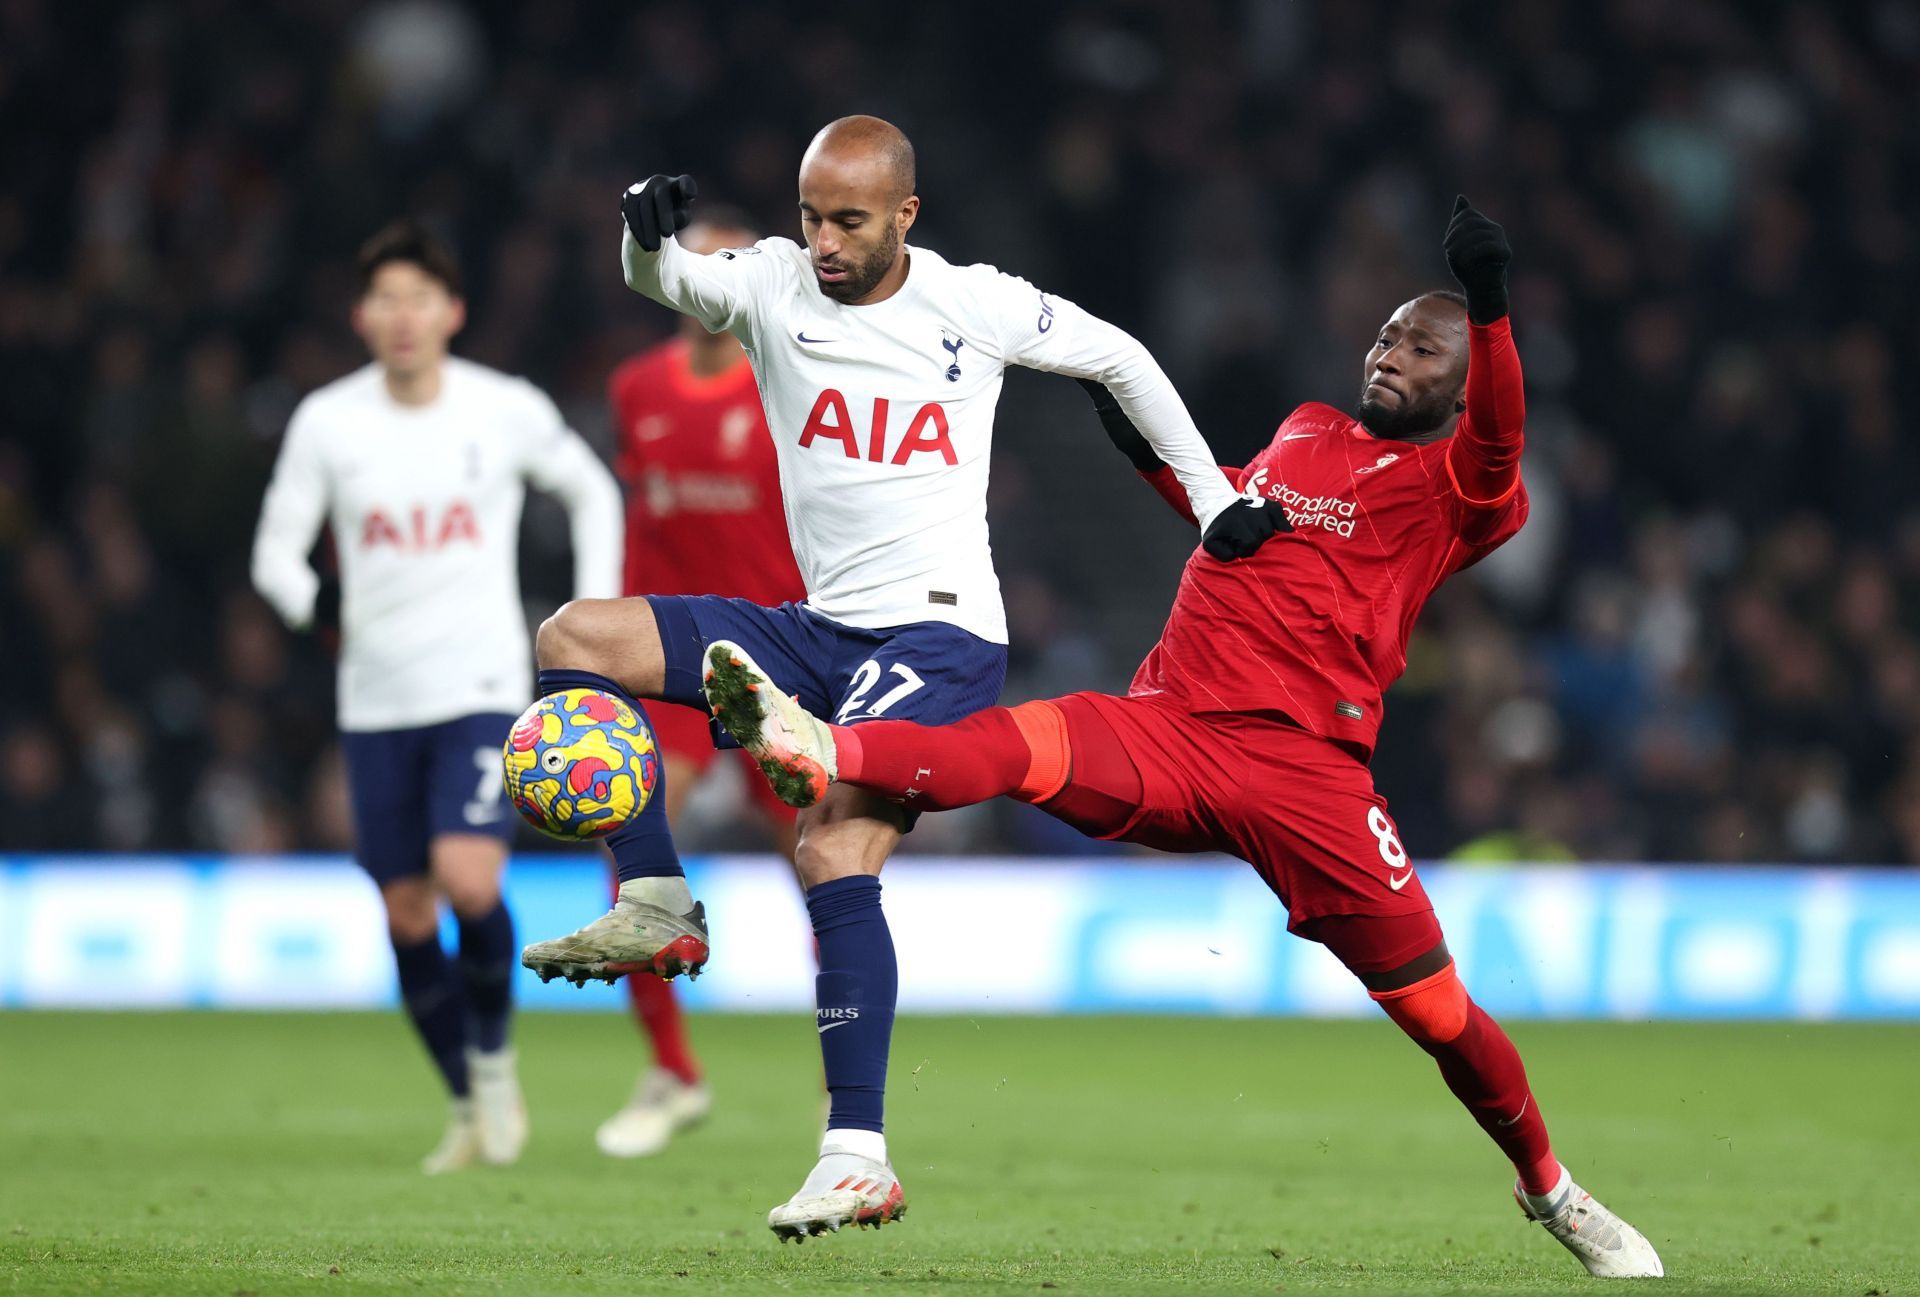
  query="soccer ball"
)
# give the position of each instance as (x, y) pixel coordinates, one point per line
(581, 763)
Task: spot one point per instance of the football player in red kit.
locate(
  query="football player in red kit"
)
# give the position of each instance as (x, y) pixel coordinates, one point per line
(1249, 727)
(703, 517)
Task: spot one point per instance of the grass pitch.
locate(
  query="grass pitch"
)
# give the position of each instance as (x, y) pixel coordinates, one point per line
(233, 1155)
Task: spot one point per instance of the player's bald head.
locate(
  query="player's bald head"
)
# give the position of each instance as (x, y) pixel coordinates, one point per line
(868, 152)
(856, 206)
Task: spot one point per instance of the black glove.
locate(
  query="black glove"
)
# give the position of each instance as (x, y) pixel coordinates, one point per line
(1477, 254)
(1243, 527)
(1120, 429)
(657, 207)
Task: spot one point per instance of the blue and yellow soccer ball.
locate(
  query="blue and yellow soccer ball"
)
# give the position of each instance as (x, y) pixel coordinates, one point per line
(581, 763)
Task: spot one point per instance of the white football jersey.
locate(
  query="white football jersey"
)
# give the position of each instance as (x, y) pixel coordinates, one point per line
(883, 415)
(425, 502)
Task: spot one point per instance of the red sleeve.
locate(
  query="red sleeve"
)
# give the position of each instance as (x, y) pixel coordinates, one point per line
(1164, 480)
(1484, 459)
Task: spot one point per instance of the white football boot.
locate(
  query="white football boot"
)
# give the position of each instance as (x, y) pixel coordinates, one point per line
(499, 1110)
(459, 1148)
(662, 1105)
(1607, 1246)
(846, 1188)
(655, 926)
(793, 746)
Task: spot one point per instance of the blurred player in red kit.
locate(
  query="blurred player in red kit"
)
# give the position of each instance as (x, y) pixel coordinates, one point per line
(703, 517)
(1249, 727)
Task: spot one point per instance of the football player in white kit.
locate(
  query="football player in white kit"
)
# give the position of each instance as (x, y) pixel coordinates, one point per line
(879, 365)
(420, 462)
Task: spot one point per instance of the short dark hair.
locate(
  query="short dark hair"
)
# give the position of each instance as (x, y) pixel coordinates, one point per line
(410, 241)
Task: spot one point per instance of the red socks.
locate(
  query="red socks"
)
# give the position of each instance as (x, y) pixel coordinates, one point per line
(1481, 1067)
(657, 1010)
(938, 767)
(1484, 1071)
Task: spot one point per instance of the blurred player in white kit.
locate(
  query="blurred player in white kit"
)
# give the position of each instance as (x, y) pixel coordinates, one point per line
(419, 462)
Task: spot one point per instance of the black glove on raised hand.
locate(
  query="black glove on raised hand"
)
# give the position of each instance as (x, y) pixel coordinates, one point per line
(657, 207)
(1243, 527)
(1120, 429)
(1477, 254)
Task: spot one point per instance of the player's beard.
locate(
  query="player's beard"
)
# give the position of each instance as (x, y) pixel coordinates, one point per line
(1408, 420)
(864, 275)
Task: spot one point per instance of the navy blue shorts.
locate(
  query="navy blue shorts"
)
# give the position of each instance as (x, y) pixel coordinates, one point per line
(928, 671)
(410, 786)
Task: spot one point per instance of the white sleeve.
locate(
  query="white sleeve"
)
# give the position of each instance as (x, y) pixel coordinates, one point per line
(559, 461)
(719, 290)
(290, 520)
(1048, 333)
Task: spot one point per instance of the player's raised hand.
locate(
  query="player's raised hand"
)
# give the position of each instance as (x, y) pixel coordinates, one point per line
(657, 207)
(1477, 254)
(1243, 527)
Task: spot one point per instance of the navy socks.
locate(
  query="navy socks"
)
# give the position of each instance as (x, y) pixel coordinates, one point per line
(643, 848)
(487, 959)
(431, 994)
(854, 994)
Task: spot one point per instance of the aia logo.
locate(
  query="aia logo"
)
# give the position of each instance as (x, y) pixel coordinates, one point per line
(417, 529)
(926, 431)
(1377, 465)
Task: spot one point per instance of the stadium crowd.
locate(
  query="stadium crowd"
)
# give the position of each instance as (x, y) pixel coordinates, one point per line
(1704, 646)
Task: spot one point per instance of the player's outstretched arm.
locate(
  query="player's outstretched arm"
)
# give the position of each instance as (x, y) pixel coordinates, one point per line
(560, 462)
(716, 290)
(291, 515)
(1484, 458)
(1056, 336)
(1238, 531)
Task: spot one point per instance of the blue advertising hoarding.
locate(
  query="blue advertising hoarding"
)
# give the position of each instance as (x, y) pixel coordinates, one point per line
(1106, 935)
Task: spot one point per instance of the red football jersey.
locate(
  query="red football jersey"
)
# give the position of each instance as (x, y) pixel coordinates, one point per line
(1315, 624)
(704, 513)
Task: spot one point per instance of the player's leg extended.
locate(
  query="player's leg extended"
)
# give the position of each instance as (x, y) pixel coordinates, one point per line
(466, 869)
(843, 842)
(655, 925)
(668, 1094)
(1425, 998)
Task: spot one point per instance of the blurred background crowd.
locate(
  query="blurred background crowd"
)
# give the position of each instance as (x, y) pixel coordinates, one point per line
(1703, 647)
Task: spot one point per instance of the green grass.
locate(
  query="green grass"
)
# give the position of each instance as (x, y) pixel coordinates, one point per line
(228, 1154)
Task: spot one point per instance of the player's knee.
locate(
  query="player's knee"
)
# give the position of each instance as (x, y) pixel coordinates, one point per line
(474, 898)
(412, 916)
(558, 641)
(1433, 1010)
(816, 862)
(575, 635)
(1043, 727)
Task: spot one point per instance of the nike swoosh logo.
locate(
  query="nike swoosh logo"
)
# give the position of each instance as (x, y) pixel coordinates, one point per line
(831, 1025)
(1296, 436)
(1397, 883)
(802, 336)
(1516, 1116)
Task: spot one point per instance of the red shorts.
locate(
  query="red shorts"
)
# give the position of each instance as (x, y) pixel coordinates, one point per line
(1301, 810)
(685, 735)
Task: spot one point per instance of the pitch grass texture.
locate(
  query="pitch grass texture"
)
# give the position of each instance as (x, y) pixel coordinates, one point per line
(227, 1154)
